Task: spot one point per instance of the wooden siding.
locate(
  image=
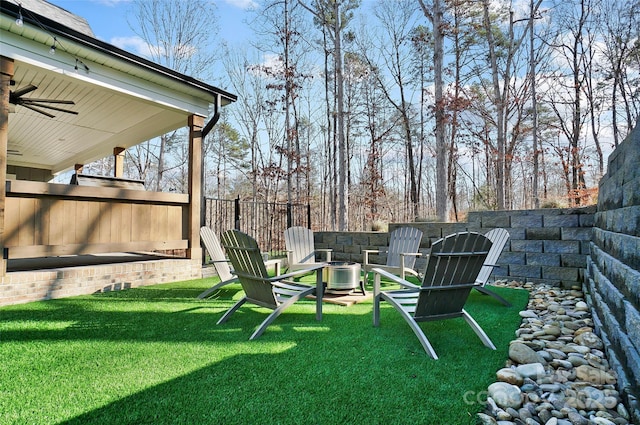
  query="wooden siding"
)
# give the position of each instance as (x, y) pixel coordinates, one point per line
(43, 219)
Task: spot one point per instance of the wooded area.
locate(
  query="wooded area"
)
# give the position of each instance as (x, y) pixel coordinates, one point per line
(391, 111)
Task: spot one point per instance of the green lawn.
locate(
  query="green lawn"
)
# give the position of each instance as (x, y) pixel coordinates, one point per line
(154, 355)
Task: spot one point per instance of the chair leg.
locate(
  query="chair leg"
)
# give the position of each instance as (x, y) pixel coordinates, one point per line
(275, 313)
(417, 330)
(232, 310)
(486, 291)
(478, 330)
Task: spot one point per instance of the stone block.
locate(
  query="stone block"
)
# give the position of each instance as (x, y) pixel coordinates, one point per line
(526, 221)
(526, 246)
(543, 233)
(500, 272)
(543, 259)
(361, 238)
(474, 219)
(429, 230)
(353, 249)
(496, 220)
(632, 324)
(631, 219)
(525, 271)
(576, 233)
(569, 220)
(630, 192)
(449, 228)
(508, 257)
(573, 260)
(328, 238)
(564, 274)
(562, 247)
(379, 239)
(519, 233)
(586, 220)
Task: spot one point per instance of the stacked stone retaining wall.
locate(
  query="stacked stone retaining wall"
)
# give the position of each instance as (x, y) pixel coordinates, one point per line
(613, 273)
(545, 245)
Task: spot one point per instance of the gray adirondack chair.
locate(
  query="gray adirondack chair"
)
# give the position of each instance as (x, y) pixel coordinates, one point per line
(402, 252)
(218, 259)
(301, 252)
(452, 269)
(276, 293)
(498, 238)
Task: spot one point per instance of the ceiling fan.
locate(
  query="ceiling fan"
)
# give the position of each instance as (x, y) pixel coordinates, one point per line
(16, 98)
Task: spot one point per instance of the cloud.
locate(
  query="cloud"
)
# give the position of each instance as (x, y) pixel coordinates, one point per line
(243, 4)
(134, 45)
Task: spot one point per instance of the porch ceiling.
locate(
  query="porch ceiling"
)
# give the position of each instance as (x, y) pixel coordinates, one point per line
(106, 118)
(121, 99)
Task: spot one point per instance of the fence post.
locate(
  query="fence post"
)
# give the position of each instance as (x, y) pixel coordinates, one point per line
(289, 218)
(237, 213)
(308, 216)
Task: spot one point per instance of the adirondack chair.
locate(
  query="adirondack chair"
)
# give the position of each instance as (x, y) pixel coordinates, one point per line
(452, 268)
(275, 293)
(218, 259)
(221, 263)
(301, 252)
(499, 238)
(404, 243)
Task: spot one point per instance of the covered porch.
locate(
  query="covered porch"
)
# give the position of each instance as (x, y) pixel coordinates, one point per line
(86, 101)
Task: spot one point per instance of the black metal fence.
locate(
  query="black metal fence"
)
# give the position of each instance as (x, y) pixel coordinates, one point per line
(264, 221)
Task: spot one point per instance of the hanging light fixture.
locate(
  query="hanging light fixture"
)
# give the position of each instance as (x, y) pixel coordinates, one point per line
(19, 21)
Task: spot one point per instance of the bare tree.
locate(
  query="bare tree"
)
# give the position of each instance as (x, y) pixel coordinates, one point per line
(335, 15)
(178, 41)
(434, 13)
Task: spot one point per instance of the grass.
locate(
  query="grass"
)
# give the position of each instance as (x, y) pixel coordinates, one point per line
(154, 355)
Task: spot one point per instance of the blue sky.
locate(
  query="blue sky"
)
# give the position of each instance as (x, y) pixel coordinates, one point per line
(108, 19)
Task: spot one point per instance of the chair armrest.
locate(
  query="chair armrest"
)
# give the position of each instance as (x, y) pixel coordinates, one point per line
(327, 252)
(377, 273)
(295, 273)
(415, 254)
(366, 253)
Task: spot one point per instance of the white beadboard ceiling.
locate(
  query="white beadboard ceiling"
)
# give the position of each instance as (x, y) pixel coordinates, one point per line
(106, 119)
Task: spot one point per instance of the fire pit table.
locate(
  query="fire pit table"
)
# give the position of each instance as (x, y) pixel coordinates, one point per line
(342, 276)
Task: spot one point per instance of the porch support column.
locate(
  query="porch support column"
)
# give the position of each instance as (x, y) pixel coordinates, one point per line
(118, 166)
(6, 73)
(195, 190)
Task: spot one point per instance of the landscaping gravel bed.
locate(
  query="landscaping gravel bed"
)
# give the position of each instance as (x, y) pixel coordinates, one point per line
(557, 372)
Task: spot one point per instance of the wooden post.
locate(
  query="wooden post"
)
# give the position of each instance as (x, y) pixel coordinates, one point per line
(118, 168)
(195, 190)
(6, 73)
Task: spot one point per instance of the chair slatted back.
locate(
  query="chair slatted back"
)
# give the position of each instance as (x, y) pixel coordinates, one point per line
(213, 247)
(403, 240)
(300, 245)
(499, 238)
(248, 265)
(452, 268)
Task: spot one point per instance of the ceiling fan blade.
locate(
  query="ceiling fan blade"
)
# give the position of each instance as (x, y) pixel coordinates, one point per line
(39, 111)
(32, 100)
(24, 90)
(39, 105)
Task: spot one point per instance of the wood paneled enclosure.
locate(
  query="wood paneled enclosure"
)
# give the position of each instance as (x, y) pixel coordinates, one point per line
(44, 219)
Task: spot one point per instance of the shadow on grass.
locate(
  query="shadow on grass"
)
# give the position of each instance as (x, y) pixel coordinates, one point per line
(187, 370)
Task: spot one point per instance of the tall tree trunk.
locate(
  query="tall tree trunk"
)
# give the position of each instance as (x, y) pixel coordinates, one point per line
(343, 190)
(534, 107)
(435, 16)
